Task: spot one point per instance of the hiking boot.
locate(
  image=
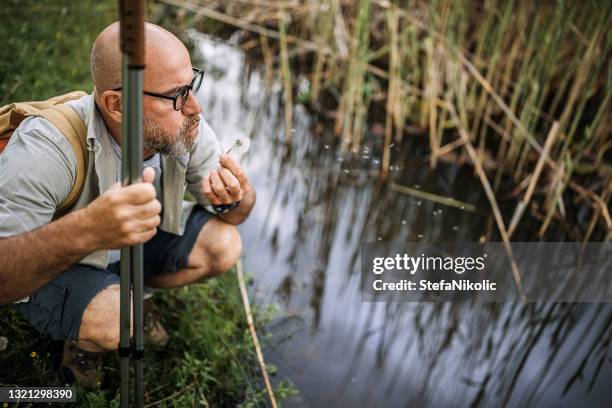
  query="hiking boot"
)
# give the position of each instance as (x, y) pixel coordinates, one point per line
(154, 330)
(80, 366)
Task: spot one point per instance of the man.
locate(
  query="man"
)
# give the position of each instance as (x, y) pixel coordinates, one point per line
(67, 269)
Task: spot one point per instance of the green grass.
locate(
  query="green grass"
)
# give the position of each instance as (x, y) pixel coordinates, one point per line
(210, 360)
(47, 46)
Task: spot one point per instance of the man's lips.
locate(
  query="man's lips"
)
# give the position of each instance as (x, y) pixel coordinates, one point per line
(195, 125)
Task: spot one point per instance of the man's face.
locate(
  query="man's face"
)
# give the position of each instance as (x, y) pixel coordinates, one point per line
(166, 130)
(158, 139)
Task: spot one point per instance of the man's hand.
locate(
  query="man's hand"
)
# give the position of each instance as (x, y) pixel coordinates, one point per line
(124, 216)
(120, 217)
(229, 184)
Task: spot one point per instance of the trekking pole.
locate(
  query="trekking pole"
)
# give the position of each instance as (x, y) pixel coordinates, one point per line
(131, 23)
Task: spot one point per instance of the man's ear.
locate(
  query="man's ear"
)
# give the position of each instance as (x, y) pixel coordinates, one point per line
(110, 103)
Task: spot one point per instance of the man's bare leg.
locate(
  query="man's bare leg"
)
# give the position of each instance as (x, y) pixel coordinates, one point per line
(216, 249)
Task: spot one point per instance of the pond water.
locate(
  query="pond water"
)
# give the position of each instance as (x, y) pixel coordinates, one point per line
(301, 245)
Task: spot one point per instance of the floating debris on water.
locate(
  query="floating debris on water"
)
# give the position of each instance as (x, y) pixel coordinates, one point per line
(417, 186)
(420, 236)
(3, 343)
(455, 228)
(403, 222)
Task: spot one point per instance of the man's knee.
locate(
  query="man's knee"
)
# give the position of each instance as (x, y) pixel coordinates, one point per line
(222, 246)
(100, 323)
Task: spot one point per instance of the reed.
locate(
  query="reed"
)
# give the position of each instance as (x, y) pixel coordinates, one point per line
(512, 68)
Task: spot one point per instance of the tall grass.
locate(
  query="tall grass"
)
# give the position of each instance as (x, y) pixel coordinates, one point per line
(509, 69)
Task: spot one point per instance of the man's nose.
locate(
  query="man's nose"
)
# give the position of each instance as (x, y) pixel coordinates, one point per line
(191, 106)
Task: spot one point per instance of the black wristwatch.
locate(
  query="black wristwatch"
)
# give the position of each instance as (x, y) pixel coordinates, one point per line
(225, 208)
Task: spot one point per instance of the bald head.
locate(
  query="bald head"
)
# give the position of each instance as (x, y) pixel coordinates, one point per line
(161, 48)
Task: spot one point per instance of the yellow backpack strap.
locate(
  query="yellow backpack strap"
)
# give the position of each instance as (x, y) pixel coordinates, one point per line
(69, 122)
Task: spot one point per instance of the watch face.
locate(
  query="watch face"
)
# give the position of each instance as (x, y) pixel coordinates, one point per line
(223, 208)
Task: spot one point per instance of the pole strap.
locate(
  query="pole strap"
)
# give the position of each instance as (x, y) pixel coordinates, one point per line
(138, 354)
(124, 351)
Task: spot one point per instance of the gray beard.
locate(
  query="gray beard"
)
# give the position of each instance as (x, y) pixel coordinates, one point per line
(158, 141)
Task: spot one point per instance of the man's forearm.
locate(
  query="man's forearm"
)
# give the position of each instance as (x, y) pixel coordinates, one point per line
(32, 259)
(240, 213)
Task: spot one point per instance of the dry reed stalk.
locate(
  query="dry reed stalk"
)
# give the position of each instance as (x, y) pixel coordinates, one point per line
(286, 75)
(522, 205)
(267, 56)
(351, 106)
(600, 211)
(554, 195)
(598, 202)
(491, 197)
(448, 201)
(320, 55)
(430, 109)
(492, 68)
(449, 147)
(251, 324)
(578, 85)
(527, 118)
(393, 92)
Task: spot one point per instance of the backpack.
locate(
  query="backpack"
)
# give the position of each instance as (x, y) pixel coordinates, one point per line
(66, 120)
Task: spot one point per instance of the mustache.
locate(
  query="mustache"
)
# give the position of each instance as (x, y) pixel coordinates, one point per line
(191, 121)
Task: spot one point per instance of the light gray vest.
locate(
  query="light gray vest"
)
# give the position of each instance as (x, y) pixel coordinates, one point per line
(101, 176)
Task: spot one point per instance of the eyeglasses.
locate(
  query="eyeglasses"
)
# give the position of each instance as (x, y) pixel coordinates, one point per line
(179, 99)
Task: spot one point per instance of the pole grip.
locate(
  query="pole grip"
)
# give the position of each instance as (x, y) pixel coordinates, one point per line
(131, 26)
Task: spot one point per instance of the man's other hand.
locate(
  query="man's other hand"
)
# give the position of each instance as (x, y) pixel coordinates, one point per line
(124, 216)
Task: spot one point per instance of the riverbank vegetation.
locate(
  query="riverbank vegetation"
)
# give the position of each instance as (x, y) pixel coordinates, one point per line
(518, 89)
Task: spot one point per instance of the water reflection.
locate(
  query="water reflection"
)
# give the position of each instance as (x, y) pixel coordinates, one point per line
(316, 205)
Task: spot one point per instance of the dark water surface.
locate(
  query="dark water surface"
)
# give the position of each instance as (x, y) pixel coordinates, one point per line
(301, 245)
